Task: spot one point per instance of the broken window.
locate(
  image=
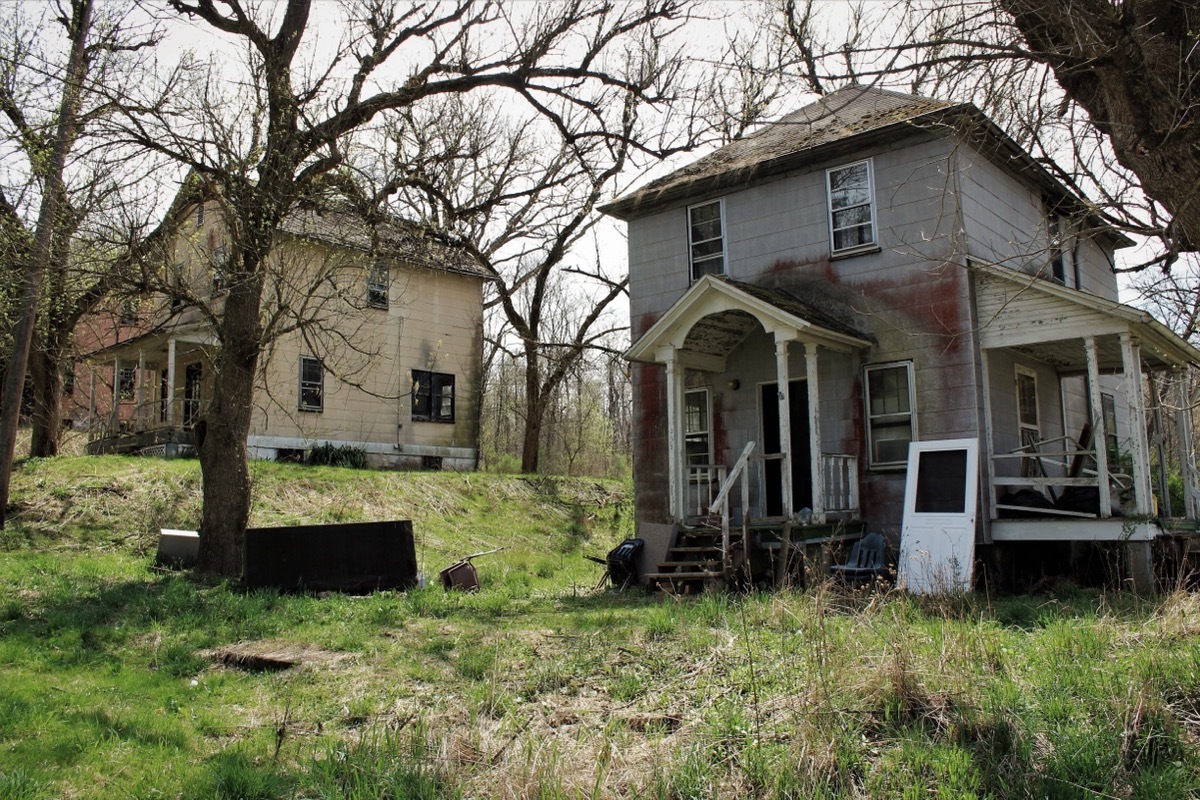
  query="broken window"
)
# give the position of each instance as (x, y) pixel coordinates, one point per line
(706, 239)
(433, 396)
(851, 207)
(890, 420)
(127, 383)
(312, 384)
(377, 285)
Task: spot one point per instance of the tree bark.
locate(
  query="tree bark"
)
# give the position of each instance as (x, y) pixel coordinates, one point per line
(45, 366)
(48, 228)
(224, 426)
(1133, 67)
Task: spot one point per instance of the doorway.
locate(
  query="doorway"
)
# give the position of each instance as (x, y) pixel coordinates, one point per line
(801, 447)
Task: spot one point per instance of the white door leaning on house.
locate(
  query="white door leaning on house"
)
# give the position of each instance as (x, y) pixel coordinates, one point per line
(937, 542)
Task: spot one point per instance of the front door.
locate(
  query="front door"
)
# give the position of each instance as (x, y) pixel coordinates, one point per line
(801, 447)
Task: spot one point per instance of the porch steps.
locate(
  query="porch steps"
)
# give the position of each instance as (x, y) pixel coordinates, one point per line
(693, 563)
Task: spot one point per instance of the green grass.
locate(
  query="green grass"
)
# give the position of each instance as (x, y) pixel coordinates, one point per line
(538, 687)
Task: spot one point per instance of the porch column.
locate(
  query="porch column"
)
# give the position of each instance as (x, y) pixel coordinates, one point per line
(92, 403)
(1138, 445)
(785, 423)
(141, 390)
(814, 432)
(1099, 435)
(115, 419)
(171, 382)
(1187, 452)
(1160, 446)
(676, 454)
(1141, 564)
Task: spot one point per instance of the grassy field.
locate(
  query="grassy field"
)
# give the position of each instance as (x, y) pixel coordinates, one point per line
(113, 683)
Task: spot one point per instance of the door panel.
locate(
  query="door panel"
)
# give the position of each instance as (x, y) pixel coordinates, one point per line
(937, 542)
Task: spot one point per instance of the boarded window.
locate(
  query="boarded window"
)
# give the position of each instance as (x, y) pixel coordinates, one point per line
(433, 396)
(312, 384)
(889, 414)
(851, 207)
(706, 239)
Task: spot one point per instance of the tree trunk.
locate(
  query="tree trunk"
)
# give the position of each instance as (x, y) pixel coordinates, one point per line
(45, 364)
(222, 431)
(48, 226)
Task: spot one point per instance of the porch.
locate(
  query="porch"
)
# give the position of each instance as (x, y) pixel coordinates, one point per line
(154, 397)
(1088, 418)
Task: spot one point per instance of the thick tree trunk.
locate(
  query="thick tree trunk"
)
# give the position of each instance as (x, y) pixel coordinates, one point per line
(1133, 67)
(45, 364)
(222, 432)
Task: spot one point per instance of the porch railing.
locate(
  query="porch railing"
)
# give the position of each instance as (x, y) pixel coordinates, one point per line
(840, 477)
(703, 483)
(736, 475)
(1054, 464)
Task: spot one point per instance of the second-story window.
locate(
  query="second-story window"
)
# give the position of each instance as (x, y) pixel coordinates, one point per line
(706, 239)
(129, 311)
(1054, 235)
(219, 265)
(851, 207)
(377, 285)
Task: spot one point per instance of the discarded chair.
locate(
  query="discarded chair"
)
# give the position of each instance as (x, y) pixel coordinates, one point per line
(461, 575)
(866, 562)
(620, 564)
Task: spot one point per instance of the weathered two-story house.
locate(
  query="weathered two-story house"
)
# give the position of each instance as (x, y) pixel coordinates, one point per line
(873, 271)
(375, 343)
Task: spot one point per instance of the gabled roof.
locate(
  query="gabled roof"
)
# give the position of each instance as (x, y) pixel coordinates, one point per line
(1049, 321)
(850, 113)
(716, 314)
(842, 123)
(390, 238)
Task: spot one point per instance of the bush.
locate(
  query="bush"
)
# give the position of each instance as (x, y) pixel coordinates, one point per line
(327, 454)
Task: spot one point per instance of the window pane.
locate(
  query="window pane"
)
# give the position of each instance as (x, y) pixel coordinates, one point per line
(706, 250)
(852, 237)
(706, 213)
(941, 482)
(851, 217)
(1027, 399)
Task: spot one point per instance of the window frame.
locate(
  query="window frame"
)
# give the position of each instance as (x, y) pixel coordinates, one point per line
(1021, 373)
(378, 290)
(721, 257)
(1056, 248)
(889, 420)
(219, 261)
(127, 384)
(307, 386)
(423, 407)
(1108, 412)
(858, 247)
(130, 311)
(697, 435)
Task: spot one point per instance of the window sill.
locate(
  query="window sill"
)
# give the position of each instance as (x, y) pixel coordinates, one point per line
(309, 410)
(862, 250)
(436, 421)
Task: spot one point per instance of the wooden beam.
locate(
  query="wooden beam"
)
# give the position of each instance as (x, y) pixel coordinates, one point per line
(1099, 434)
(676, 452)
(785, 425)
(814, 433)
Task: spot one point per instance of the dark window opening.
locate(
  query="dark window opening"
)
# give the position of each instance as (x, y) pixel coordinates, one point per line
(433, 396)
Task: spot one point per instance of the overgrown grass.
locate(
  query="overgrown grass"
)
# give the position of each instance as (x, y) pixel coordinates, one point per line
(537, 687)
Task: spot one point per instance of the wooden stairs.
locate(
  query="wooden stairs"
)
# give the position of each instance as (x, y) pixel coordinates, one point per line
(694, 563)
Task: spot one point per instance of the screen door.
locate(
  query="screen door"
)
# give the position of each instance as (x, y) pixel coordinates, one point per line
(937, 542)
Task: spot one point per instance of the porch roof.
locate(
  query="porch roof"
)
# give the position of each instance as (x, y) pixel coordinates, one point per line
(155, 339)
(716, 314)
(1049, 321)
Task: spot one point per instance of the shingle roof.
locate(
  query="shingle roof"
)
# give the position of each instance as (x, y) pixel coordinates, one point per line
(816, 310)
(846, 113)
(391, 238)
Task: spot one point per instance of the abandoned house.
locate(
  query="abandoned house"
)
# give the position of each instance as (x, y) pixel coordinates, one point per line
(874, 274)
(380, 345)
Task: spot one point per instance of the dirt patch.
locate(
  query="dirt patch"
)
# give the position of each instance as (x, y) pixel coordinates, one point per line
(270, 656)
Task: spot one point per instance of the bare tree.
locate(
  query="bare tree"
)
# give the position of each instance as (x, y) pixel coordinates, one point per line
(43, 252)
(282, 143)
(520, 193)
